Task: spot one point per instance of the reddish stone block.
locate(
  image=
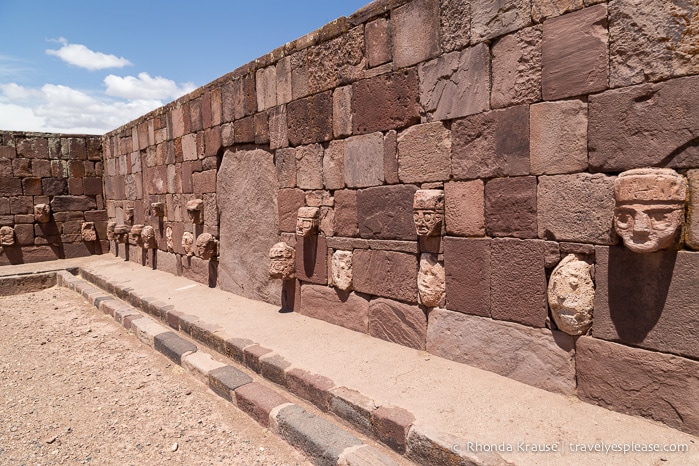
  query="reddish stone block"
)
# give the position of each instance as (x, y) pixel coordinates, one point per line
(285, 161)
(455, 24)
(398, 271)
(386, 212)
(266, 86)
(204, 182)
(415, 32)
(464, 208)
(195, 120)
(32, 186)
(278, 136)
(398, 323)
(363, 160)
(516, 68)
(22, 167)
(491, 144)
(72, 203)
(261, 123)
(54, 186)
(10, 186)
(6, 168)
(309, 166)
(558, 137)
(391, 426)
(33, 148)
(346, 309)
(283, 72)
(21, 205)
(312, 387)
(510, 207)
(156, 180)
(635, 381)
(288, 202)
(206, 115)
(336, 61)
(92, 186)
(467, 266)
(24, 235)
(377, 37)
(258, 401)
(346, 223)
(493, 18)
(342, 111)
(518, 281)
(388, 101)
(390, 157)
(252, 355)
(212, 141)
(310, 119)
(575, 55)
(312, 259)
(41, 168)
(77, 149)
(244, 130)
(334, 165)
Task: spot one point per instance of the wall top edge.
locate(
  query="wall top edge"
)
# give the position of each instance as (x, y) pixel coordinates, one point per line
(36, 134)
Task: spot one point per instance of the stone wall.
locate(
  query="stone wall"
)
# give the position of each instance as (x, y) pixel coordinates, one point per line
(62, 173)
(522, 112)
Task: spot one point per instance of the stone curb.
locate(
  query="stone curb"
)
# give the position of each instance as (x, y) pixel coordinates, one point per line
(27, 283)
(393, 426)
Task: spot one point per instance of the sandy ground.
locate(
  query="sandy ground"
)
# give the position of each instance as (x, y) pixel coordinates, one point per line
(75, 388)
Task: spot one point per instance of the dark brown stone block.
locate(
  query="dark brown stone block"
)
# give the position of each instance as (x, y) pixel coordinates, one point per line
(386, 212)
(288, 202)
(310, 119)
(244, 130)
(467, 267)
(312, 259)
(398, 272)
(346, 213)
(510, 207)
(385, 102)
(54, 186)
(72, 203)
(92, 186)
(10, 186)
(31, 186)
(33, 148)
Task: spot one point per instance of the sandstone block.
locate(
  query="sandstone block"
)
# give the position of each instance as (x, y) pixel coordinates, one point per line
(386, 212)
(391, 425)
(510, 207)
(266, 88)
(390, 157)
(336, 62)
(399, 272)
(54, 186)
(312, 259)
(385, 102)
(342, 111)
(312, 387)
(692, 238)
(289, 201)
(493, 18)
(575, 54)
(396, 322)
(464, 208)
(285, 161)
(244, 130)
(377, 37)
(467, 268)
(415, 32)
(542, 9)
(518, 281)
(491, 144)
(283, 72)
(538, 357)
(424, 152)
(309, 166)
(72, 203)
(278, 136)
(346, 213)
(558, 137)
(456, 84)
(635, 381)
(342, 308)
(363, 160)
(576, 208)
(516, 68)
(334, 165)
(454, 24)
(310, 119)
(258, 401)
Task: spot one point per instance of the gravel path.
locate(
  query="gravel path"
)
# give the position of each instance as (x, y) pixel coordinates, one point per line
(75, 388)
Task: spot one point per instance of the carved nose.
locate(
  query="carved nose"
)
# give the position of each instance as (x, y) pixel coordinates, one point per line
(641, 223)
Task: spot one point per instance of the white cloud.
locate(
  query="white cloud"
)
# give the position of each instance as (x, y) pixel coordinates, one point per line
(145, 87)
(81, 56)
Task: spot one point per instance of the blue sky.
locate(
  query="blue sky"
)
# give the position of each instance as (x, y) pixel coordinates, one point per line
(79, 66)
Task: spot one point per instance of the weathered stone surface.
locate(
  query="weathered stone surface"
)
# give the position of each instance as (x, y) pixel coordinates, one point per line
(377, 36)
(363, 160)
(692, 235)
(558, 137)
(307, 221)
(334, 165)
(7, 236)
(415, 32)
(467, 268)
(312, 259)
(518, 281)
(345, 309)
(337, 61)
(309, 166)
(390, 157)
(647, 300)
(652, 40)
(342, 270)
(427, 445)
(398, 323)
(312, 387)
(346, 215)
(266, 88)
(257, 400)
(510, 207)
(54, 186)
(278, 136)
(576, 208)
(398, 271)
(424, 152)
(456, 84)
(386, 212)
(575, 54)
(385, 102)
(454, 24)
(391, 425)
(538, 357)
(516, 68)
(644, 126)
(247, 199)
(634, 381)
(342, 111)
(542, 9)
(571, 295)
(464, 212)
(72, 203)
(310, 119)
(493, 18)
(491, 144)
(431, 281)
(285, 160)
(283, 69)
(42, 213)
(428, 212)
(282, 261)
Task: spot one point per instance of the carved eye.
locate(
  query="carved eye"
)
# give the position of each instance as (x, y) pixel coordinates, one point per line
(427, 216)
(416, 216)
(624, 220)
(661, 219)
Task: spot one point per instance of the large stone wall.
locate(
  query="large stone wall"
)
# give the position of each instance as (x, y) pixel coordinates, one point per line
(523, 112)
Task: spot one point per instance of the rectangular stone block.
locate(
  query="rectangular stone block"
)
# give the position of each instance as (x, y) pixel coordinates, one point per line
(346, 215)
(510, 207)
(576, 208)
(310, 119)
(415, 32)
(464, 208)
(312, 259)
(692, 236)
(312, 387)
(244, 130)
(386, 212)
(173, 346)
(648, 300)
(639, 382)
(353, 407)
(377, 37)
(398, 271)
(224, 380)
(516, 68)
(396, 322)
(575, 54)
(334, 165)
(72, 203)
(535, 356)
(309, 166)
(258, 401)
(388, 101)
(289, 201)
(424, 153)
(337, 61)
(558, 137)
(342, 111)
(390, 157)
(204, 182)
(346, 309)
(283, 71)
(467, 266)
(266, 88)
(10, 186)
(278, 136)
(363, 160)
(493, 18)
(200, 365)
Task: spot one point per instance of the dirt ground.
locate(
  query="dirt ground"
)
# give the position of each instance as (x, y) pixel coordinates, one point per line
(76, 388)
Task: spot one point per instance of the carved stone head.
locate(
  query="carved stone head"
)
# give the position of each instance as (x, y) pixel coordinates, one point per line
(188, 243)
(111, 226)
(282, 261)
(121, 233)
(148, 237)
(129, 214)
(571, 295)
(431, 281)
(168, 239)
(42, 213)
(7, 236)
(207, 246)
(136, 231)
(342, 269)
(649, 208)
(88, 232)
(308, 221)
(428, 211)
(195, 210)
(157, 209)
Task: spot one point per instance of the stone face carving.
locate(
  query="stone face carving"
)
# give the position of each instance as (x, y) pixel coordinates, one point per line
(342, 269)
(7, 236)
(157, 209)
(121, 233)
(42, 213)
(428, 211)
(110, 230)
(88, 232)
(649, 208)
(308, 221)
(129, 214)
(571, 295)
(282, 261)
(207, 246)
(148, 238)
(168, 239)
(195, 210)
(431, 281)
(188, 243)
(136, 231)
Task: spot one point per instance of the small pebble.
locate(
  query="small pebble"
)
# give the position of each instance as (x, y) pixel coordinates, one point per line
(175, 446)
(51, 440)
